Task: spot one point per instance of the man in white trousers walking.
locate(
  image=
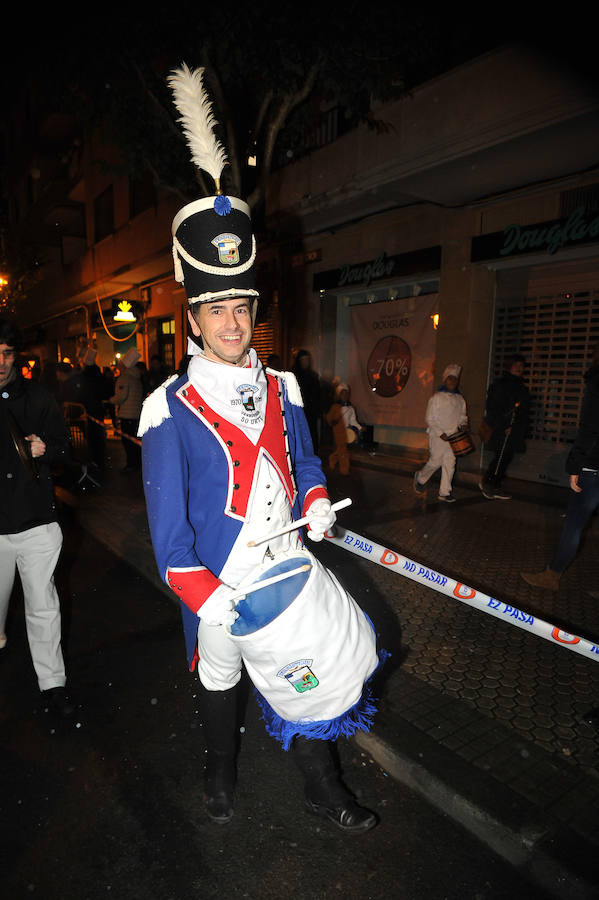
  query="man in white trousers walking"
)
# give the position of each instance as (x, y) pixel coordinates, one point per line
(33, 435)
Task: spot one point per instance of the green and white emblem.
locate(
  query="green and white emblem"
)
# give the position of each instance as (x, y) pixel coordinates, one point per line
(299, 675)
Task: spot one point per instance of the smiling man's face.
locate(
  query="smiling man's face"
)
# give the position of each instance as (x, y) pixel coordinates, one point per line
(225, 327)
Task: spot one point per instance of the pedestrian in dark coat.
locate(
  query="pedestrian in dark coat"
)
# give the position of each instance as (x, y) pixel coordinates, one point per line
(309, 383)
(91, 388)
(507, 408)
(582, 465)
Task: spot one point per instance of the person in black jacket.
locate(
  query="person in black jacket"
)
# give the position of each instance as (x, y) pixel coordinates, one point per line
(33, 436)
(508, 402)
(91, 388)
(309, 383)
(582, 465)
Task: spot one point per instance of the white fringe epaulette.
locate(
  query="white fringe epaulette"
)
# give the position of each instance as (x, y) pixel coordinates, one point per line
(294, 395)
(155, 408)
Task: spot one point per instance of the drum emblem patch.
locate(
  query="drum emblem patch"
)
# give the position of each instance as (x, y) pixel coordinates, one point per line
(299, 675)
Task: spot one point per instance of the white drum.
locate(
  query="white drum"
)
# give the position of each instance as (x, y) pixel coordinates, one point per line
(310, 662)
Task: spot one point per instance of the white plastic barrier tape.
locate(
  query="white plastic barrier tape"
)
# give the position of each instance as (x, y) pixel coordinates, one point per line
(401, 565)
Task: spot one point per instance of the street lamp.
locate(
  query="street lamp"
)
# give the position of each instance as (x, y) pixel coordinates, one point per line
(3, 284)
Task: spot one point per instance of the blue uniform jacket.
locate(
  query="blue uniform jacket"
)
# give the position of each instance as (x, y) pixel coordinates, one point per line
(197, 472)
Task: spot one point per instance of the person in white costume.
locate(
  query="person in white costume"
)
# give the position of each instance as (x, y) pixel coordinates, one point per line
(348, 412)
(227, 460)
(445, 414)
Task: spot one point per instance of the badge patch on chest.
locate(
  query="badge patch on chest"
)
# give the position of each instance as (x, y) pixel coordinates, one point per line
(299, 675)
(247, 392)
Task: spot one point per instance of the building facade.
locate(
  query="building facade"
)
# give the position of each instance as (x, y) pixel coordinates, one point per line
(478, 206)
(462, 230)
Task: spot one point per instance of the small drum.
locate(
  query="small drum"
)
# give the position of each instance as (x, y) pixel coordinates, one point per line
(308, 649)
(22, 448)
(461, 443)
(350, 435)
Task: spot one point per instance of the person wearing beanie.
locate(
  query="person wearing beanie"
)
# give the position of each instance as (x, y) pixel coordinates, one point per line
(128, 397)
(33, 437)
(228, 465)
(445, 414)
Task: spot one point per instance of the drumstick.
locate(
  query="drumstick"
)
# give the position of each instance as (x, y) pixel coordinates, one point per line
(340, 504)
(258, 585)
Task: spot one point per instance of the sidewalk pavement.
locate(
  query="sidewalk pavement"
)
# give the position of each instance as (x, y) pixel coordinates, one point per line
(489, 723)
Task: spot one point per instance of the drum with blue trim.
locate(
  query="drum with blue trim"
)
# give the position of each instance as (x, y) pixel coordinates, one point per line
(306, 644)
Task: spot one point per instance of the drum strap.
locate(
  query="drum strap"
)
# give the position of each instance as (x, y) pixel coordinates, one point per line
(282, 388)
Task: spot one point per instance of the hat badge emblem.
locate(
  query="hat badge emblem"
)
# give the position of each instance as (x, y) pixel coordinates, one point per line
(227, 245)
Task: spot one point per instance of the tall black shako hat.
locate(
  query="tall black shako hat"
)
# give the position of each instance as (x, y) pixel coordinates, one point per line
(213, 246)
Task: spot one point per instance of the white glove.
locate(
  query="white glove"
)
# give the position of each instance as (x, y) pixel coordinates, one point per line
(320, 518)
(219, 609)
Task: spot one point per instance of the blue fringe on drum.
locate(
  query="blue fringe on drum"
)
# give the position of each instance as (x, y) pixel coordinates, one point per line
(357, 718)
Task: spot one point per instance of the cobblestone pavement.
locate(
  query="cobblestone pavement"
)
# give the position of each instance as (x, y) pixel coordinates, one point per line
(511, 703)
(508, 705)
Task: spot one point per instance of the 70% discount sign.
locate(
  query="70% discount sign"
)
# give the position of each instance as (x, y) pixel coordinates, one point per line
(388, 367)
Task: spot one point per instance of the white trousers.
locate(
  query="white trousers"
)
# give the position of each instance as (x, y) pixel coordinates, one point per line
(35, 553)
(443, 457)
(219, 666)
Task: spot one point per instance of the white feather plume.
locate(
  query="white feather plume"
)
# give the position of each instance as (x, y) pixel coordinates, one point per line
(192, 101)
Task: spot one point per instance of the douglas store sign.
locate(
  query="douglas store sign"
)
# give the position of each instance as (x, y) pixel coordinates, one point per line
(383, 266)
(545, 237)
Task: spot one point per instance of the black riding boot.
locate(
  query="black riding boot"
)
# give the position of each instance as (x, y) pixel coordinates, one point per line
(218, 712)
(325, 793)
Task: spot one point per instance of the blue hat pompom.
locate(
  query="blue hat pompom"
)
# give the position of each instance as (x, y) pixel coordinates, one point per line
(222, 205)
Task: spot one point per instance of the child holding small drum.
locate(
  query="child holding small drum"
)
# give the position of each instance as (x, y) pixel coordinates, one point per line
(346, 428)
(445, 416)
